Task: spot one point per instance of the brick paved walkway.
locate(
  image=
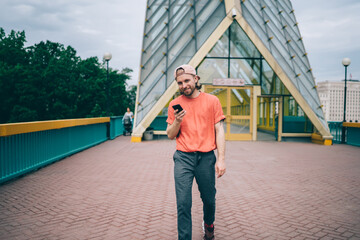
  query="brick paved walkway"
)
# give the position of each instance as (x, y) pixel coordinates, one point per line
(123, 190)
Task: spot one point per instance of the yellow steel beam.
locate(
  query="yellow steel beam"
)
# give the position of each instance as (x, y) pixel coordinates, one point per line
(267, 102)
(297, 135)
(351, 124)
(228, 115)
(256, 91)
(232, 4)
(27, 127)
(316, 138)
(280, 117)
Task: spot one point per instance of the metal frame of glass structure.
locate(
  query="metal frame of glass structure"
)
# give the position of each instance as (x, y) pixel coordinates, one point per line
(261, 44)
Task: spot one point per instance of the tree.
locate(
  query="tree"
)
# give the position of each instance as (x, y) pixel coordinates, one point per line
(13, 65)
(48, 81)
(131, 96)
(118, 94)
(52, 81)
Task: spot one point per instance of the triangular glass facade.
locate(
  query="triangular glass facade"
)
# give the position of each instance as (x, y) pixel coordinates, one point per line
(275, 24)
(235, 56)
(175, 30)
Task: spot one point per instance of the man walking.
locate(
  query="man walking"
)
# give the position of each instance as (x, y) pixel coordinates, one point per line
(198, 129)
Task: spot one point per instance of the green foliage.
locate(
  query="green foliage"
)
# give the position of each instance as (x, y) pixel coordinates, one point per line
(48, 81)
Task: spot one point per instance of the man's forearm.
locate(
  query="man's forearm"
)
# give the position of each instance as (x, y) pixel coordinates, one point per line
(220, 141)
(220, 166)
(172, 130)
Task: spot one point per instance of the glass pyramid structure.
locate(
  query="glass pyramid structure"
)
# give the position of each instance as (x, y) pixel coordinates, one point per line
(256, 40)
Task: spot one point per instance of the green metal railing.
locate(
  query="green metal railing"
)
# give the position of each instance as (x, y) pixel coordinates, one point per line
(352, 133)
(116, 127)
(336, 131)
(25, 147)
(159, 123)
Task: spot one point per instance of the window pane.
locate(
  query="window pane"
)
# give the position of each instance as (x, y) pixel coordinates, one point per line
(221, 94)
(181, 43)
(152, 49)
(271, 84)
(221, 48)
(200, 4)
(211, 69)
(206, 28)
(177, 10)
(245, 69)
(183, 57)
(181, 28)
(152, 64)
(240, 102)
(153, 76)
(150, 99)
(240, 44)
(239, 126)
(205, 13)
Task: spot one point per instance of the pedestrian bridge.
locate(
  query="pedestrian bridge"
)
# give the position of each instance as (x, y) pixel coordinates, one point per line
(28, 146)
(122, 190)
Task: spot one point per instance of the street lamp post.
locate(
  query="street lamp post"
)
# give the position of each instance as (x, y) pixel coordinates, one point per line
(346, 62)
(107, 57)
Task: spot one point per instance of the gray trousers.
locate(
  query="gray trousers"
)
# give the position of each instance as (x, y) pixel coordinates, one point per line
(187, 166)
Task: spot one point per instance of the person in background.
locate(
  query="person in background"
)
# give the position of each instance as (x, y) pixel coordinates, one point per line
(128, 114)
(127, 122)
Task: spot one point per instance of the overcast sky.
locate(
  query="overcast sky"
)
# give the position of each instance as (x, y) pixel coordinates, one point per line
(330, 30)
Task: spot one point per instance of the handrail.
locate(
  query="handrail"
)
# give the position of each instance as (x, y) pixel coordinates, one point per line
(351, 124)
(28, 146)
(27, 127)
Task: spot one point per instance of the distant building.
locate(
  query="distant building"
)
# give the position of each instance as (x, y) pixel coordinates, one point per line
(332, 98)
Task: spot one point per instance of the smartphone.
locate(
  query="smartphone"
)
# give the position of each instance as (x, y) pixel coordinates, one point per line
(177, 107)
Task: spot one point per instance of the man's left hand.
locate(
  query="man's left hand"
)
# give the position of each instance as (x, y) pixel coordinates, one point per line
(220, 168)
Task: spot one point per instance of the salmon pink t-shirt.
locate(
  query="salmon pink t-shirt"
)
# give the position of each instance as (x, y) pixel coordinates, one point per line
(197, 129)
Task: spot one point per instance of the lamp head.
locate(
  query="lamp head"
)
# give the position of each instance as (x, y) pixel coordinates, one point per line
(346, 62)
(107, 56)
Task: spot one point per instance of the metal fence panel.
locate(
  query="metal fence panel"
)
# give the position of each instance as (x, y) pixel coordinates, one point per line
(22, 153)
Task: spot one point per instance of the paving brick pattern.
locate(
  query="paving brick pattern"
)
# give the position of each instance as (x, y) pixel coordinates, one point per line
(123, 190)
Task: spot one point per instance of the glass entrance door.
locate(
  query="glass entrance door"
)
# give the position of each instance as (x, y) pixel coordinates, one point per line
(238, 122)
(237, 104)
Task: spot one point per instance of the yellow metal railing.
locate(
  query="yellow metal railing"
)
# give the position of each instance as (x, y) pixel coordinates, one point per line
(27, 127)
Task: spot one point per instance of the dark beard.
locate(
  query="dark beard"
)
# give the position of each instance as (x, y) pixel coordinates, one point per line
(187, 95)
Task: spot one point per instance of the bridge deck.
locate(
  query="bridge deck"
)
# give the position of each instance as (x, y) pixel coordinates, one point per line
(124, 190)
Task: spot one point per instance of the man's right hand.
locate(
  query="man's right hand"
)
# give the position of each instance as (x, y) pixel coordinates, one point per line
(172, 130)
(179, 116)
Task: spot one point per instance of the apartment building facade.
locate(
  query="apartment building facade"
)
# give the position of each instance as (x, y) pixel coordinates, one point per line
(332, 99)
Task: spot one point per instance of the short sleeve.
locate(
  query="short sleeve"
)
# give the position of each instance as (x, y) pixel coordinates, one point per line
(218, 112)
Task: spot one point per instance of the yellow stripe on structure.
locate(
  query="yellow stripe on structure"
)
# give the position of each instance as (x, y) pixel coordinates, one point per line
(316, 138)
(26, 127)
(135, 139)
(351, 124)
